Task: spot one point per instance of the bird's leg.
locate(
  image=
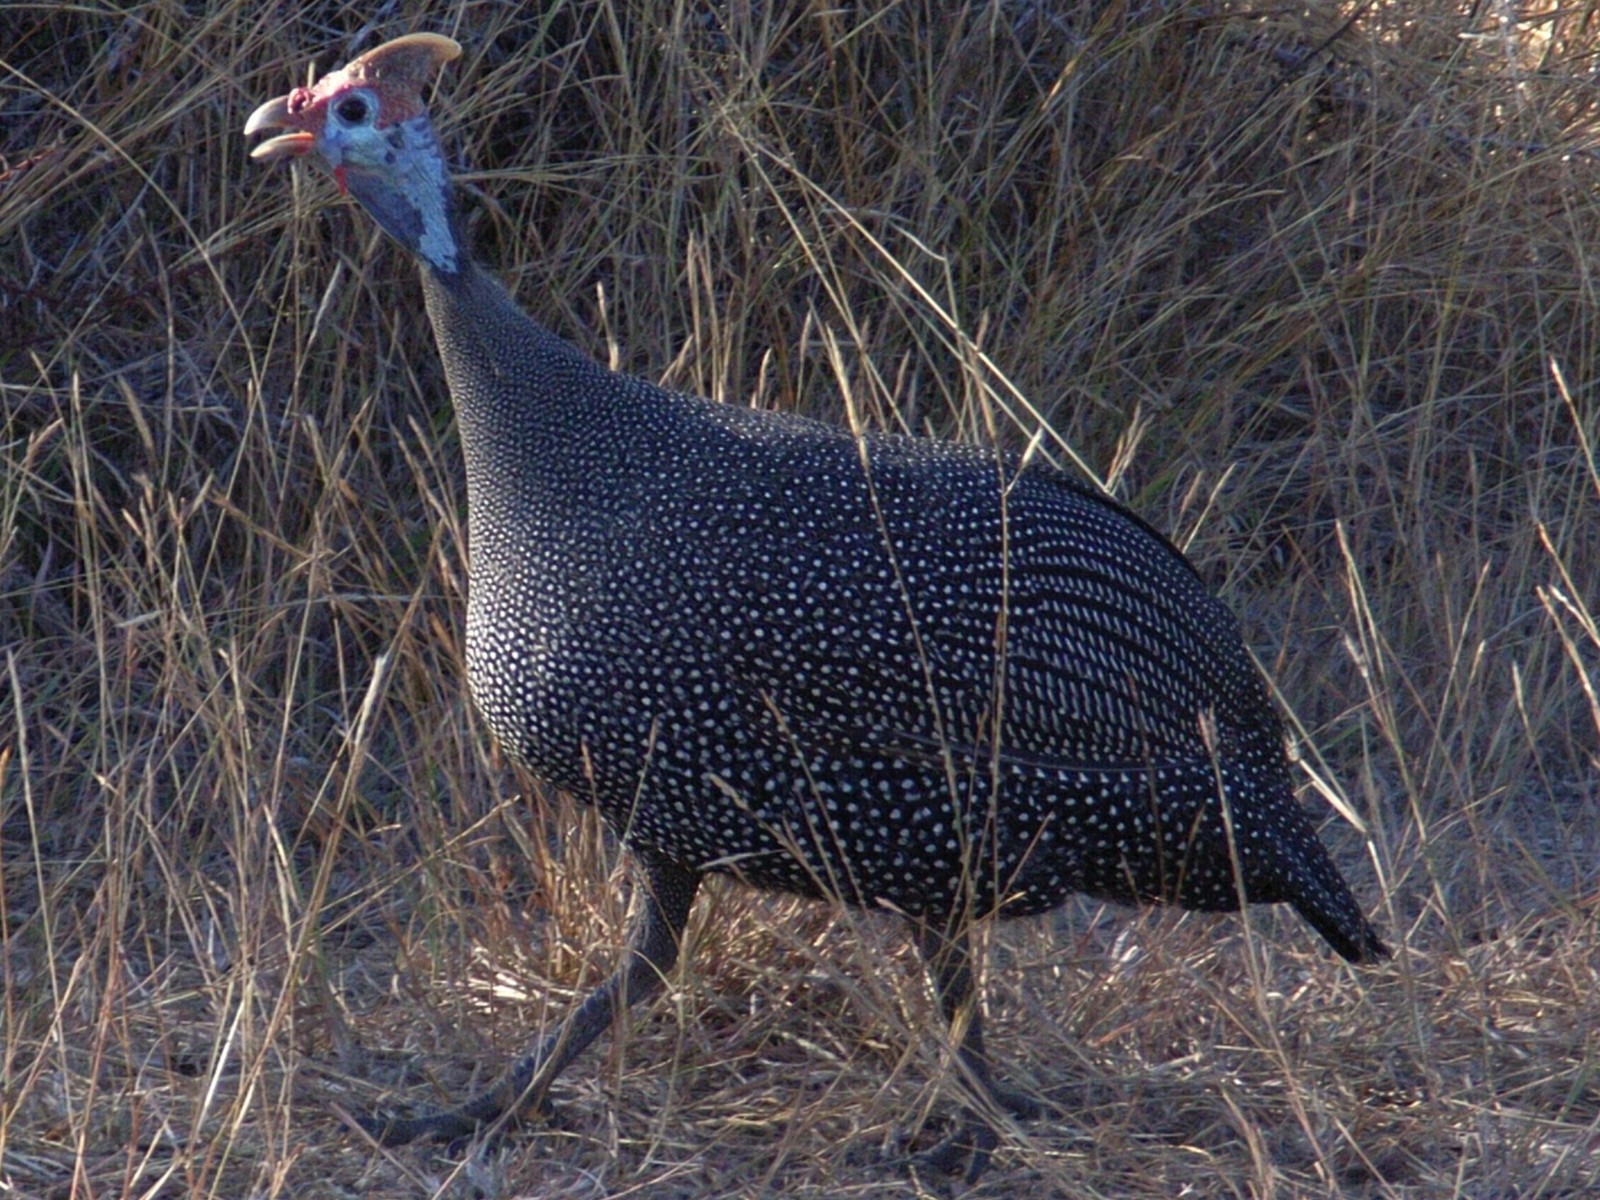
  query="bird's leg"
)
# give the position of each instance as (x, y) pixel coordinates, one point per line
(653, 949)
(948, 956)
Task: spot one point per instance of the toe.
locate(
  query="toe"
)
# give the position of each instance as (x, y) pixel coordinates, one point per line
(971, 1145)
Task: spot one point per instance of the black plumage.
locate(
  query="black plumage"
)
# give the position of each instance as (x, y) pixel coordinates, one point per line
(897, 672)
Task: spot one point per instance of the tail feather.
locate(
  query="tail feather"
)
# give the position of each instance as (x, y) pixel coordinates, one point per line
(1343, 927)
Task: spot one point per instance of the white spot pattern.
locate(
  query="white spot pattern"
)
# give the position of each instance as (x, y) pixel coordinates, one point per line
(899, 672)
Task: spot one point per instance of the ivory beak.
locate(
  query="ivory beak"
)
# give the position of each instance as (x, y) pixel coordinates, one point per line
(274, 114)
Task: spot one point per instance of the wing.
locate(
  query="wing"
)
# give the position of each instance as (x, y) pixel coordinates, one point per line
(986, 610)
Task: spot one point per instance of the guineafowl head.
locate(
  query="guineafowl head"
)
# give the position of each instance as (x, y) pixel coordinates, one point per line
(367, 124)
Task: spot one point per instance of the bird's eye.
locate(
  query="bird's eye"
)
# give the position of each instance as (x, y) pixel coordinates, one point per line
(352, 110)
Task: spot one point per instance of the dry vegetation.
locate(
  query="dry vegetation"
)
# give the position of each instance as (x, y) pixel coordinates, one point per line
(1318, 298)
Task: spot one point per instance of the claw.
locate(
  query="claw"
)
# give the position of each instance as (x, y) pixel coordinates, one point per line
(973, 1144)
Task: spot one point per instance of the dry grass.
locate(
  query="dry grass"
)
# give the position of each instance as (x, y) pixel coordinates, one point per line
(1331, 319)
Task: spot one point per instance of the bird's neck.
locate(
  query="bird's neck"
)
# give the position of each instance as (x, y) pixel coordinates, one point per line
(518, 389)
(539, 423)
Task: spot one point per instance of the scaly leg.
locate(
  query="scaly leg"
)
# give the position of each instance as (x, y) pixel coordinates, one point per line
(948, 956)
(653, 949)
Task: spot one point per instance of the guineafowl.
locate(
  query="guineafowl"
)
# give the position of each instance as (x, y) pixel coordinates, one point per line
(883, 670)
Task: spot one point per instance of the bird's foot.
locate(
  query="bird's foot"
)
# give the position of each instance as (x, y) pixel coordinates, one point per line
(973, 1143)
(1025, 1106)
(970, 1146)
(455, 1126)
(389, 1130)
